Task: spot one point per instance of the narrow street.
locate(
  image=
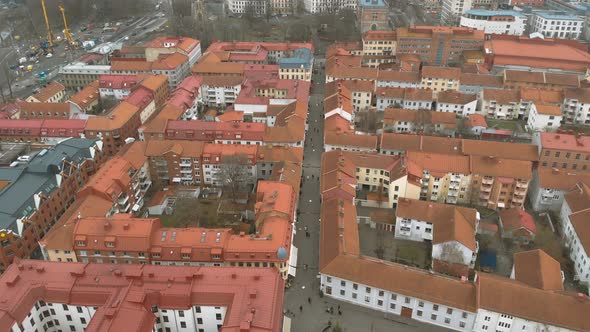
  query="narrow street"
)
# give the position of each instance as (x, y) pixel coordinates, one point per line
(314, 317)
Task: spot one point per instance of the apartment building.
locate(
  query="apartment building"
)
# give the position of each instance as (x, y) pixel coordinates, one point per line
(507, 22)
(576, 106)
(408, 98)
(544, 117)
(327, 6)
(40, 132)
(187, 304)
(47, 110)
(296, 64)
(54, 92)
(515, 79)
(143, 99)
(382, 43)
(399, 120)
(117, 86)
(122, 181)
(176, 66)
(501, 104)
(453, 9)
(362, 93)
(220, 90)
(563, 151)
(475, 83)
(398, 79)
(35, 195)
(426, 221)
(557, 24)
(461, 104)
(87, 99)
(158, 85)
(574, 214)
(440, 79)
(76, 76)
(549, 186)
(487, 302)
(121, 123)
(169, 45)
(438, 46)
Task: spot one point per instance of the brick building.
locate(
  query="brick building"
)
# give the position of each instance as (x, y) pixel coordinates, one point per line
(33, 197)
(374, 15)
(563, 151)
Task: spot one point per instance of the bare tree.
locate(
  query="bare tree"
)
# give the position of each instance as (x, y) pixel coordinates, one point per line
(451, 253)
(367, 121)
(186, 213)
(234, 174)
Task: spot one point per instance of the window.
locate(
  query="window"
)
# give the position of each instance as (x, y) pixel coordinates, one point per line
(407, 300)
(449, 311)
(354, 296)
(165, 318)
(343, 283)
(433, 317)
(380, 303)
(435, 307)
(392, 306)
(342, 292)
(447, 321)
(328, 279)
(79, 309)
(199, 320)
(183, 325)
(393, 297)
(461, 324)
(367, 298)
(381, 293)
(464, 315)
(82, 320)
(180, 313)
(355, 286)
(368, 289)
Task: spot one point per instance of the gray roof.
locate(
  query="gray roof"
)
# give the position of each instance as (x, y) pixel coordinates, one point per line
(299, 57)
(39, 175)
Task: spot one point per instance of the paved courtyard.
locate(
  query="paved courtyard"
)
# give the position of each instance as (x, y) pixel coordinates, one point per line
(313, 317)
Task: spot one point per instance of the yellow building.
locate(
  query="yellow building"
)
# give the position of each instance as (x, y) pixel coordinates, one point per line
(440, 78)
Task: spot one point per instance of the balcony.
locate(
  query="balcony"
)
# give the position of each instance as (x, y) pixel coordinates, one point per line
(424, 191)
(486, 189)
(406, 231)
(451, 200)
(519, 191)
(185, 164)
(135, 185)
(452, 194)
(455, 178)
(454, 187)
(427, 236)
(518, 200)
(426, 176)
(521, 184)
(125, 208)
(487, 180)
(484, 196)
(186, 171)
(124, 200)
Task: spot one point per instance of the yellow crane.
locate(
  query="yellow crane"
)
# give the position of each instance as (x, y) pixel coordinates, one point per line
(67, 33)
(49, 33)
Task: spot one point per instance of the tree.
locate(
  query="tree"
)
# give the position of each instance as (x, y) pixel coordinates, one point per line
(451, 253)
(233, 174)
(186, 213)
(299, 31)
(249, 13)
(268, 10)
(367, 121)
(337, 328)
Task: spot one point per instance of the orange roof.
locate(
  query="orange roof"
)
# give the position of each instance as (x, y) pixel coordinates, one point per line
(153, 82)
(186, 44)
(169, 61)
(560, 179)
(127, 233)
(455, 97)
(428, 31)
(86, 96)
(581, 95)
(568, 142)
(501, 96)
(493, 166)
(134, 153)
(351, 139)
(134, 66)
(379, 35)
(183, 148)
(537, 269)
(231, 116)
(277, 153)
(118, 117)
(481, 79)
(220, 80)
(49, 91)
(476, 120)
(548, 109)
(441, 72)
(541, 95)
(110, 180)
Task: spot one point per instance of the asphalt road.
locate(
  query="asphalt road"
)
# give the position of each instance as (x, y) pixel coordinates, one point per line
(313, 317)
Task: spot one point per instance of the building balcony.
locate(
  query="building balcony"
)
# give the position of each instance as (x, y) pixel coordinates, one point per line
(185, 164)
(135, 185)
(451, 200)
(487, 180)
(427, 236)
(424, 191)
(484, 196)
(186, 171)
(486, 189)
(518, 200)
(433, 197)
(125, 208)
(519, 191)
(452, 194)
(453, 187)
(426, 176)
(124, 200)
(405, 231)
(521, 184)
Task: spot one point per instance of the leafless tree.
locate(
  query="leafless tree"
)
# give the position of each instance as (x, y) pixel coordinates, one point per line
(186, 213)
(451, 253)
(367, 121)
(234, 174)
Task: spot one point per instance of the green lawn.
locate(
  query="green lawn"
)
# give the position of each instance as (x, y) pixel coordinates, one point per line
(503, 124)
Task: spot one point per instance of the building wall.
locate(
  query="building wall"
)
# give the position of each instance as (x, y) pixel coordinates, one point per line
(439, 84)
(578, 254)
(575, 111)
(542, 122)
(543, 199)
(374, 18)
(502, 111)
(392, 303)
(379, 47)
(508, 25)
(494, 321)
(467, 255)
(557, 28)
(459, 109)
(563, 159)
(453, 9)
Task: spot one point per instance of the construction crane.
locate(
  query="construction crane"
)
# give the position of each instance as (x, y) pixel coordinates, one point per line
(49, 33)
(67, 33)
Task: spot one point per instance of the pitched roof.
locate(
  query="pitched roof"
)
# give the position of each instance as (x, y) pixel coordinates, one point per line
(455, 97)
(398, 76)
(49, 91)
(481, 80)
(476, 120)
(537, 269)
(548, 109)
(441, 72)
(568, 142)
(501, 96)
(581, 95)
(351, 139)
(450, 222)
(560, 179)
(516, 218)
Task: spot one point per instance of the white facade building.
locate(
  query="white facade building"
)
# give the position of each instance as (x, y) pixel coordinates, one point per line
(507, 22)
(574, 226)
(557, 25)
(461, 104)
(576, 106)
(544, 117)
(66, 317)
(214, 95)
(323, 6)
(453, 9)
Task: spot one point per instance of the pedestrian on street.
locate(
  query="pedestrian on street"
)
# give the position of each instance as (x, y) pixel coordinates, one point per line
(305, 228)
(339, 312)
(309, 300)
(300, 308)
(339, 307)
